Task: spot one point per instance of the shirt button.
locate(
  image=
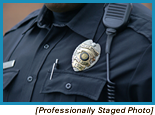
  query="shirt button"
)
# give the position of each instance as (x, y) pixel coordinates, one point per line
(29, 79)
(46, 46)
(68, 86)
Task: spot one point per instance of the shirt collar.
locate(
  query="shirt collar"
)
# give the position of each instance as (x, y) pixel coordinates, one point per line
(84, 23)
(44, 18)
(87, 20)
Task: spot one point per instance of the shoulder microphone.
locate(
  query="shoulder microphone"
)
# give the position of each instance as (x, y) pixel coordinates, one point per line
(115, 19)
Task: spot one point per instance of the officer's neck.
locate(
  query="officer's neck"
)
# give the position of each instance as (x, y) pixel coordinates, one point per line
(63, 18)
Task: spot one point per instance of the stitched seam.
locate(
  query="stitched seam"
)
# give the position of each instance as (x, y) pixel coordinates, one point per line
(81, 75)
(140, 17)
(10, 71)
(84, 94)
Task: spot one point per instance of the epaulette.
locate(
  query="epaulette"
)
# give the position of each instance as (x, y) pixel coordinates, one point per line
(141, 21)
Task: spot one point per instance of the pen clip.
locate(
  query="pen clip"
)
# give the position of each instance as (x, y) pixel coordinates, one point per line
(55, 65)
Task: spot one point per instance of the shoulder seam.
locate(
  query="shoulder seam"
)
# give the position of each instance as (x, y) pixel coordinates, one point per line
(145, 28)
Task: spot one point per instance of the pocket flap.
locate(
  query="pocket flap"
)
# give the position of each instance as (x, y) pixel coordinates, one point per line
(71, 83)
(8, 76)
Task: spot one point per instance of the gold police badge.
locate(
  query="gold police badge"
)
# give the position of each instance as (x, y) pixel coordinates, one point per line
(85, 55)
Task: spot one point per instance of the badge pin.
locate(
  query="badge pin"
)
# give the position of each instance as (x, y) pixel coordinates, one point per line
(85, 55)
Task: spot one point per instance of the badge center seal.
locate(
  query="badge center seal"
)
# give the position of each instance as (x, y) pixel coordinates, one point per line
(85, 55)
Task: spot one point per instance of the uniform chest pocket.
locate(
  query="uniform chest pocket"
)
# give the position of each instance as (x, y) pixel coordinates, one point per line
(70, 86)
(8, 76)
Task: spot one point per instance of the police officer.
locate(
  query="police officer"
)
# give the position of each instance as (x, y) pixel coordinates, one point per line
(38, 54)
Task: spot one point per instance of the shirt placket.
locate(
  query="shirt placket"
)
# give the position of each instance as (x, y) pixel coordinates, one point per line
(48, 44)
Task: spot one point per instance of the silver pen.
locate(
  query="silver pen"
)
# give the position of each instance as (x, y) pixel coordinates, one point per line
(54, 66)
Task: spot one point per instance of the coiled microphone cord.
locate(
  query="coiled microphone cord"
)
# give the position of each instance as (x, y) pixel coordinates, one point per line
(110, 85)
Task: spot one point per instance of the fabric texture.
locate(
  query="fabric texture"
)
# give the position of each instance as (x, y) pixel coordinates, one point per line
(35, 43)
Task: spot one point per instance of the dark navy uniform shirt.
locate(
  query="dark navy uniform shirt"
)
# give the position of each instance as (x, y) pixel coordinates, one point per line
(35, 43)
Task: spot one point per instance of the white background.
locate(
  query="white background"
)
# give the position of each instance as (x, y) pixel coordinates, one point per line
(31, 109)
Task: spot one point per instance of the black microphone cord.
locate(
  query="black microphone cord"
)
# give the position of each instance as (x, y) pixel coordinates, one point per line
(110, 85)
